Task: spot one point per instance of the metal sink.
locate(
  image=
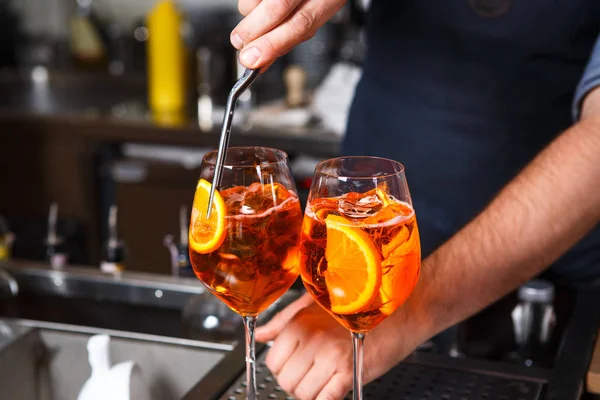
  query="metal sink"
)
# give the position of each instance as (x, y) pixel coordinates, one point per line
(132, 302)
(45, 361)
(172, 327)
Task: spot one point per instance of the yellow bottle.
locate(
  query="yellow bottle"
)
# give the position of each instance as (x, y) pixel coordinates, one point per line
(6, 241)
(4, 250)
(166, 64)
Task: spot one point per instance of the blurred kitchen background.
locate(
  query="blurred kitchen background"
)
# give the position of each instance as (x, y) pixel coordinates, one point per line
(107, 107)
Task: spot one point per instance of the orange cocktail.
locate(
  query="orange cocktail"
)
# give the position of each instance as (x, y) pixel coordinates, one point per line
(256, 260)
(360, 253)
(245, 252)
(360, 266)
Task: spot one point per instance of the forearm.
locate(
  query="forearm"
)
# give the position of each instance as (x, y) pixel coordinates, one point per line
(536, 218)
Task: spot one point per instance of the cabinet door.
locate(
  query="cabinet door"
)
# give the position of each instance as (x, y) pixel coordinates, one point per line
(149, 196)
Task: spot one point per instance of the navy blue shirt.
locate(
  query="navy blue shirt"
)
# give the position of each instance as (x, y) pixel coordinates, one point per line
(465, 97)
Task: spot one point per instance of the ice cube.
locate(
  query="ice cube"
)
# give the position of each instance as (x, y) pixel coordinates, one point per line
(359, 207)
(255, 199)
(243, 272)
(277, 192)
(246, 210)
(233, 198)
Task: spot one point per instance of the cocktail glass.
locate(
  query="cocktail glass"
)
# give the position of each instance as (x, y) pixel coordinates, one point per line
(246, 252)
(360, 253)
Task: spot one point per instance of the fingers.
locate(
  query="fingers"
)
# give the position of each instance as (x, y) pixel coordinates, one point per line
(267, 15)
(309, 352)
(264, 68)
(246, 6)
(278, 322)
(282, 350)
(336, 388)
(314, 380)
(297, 365)
(279, 41)
(296, 28)
(316, 358)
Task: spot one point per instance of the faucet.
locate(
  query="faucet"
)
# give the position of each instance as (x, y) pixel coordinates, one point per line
(56, 253)
(8, 285)
(180, 261)
(114, 249)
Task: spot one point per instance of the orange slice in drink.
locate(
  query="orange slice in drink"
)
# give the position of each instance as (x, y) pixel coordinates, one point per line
(353, 274)
(207, 235)
(291, 260)
(401, 245)
(398, 240)
(403, 266)
(381, 192)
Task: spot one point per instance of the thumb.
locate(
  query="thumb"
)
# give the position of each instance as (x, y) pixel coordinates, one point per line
(271, 329)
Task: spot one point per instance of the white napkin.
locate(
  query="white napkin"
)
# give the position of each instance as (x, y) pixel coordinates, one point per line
(123, 381)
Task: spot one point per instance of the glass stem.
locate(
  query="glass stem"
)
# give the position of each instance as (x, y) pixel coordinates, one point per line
(358, 340)
(249, 325)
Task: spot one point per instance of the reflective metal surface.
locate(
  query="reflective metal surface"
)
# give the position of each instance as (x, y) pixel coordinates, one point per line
(128, 287)
(11, 331)
(172, 307)
(172, 326)
(238, 89)
(50, 361)
(18, 327)
(8, 285)
(414, 381)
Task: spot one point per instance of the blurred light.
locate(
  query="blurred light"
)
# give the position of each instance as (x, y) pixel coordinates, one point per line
(141, 33)
(211, 322)
(39, 74)
(364, 4)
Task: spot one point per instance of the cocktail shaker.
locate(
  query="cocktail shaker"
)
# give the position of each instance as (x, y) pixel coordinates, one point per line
(534, 320)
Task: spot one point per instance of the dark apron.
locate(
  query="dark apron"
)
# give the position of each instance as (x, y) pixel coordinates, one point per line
(465, 93)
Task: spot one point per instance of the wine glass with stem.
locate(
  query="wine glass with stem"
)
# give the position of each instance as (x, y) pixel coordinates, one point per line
(360, 253)
(246, 251)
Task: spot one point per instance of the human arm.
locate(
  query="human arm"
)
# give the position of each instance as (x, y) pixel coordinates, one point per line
(272, 27)
(535, 219)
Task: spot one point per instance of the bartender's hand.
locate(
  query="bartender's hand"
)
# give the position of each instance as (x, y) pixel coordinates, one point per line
(311, 356)
(272, 27)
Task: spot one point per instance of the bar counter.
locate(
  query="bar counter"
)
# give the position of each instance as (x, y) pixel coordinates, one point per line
(153, 319)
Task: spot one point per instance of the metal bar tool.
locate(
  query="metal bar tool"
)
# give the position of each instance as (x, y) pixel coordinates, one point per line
(240, 86)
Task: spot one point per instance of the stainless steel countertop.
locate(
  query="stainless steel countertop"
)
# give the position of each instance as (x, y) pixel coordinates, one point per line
(140, 303)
